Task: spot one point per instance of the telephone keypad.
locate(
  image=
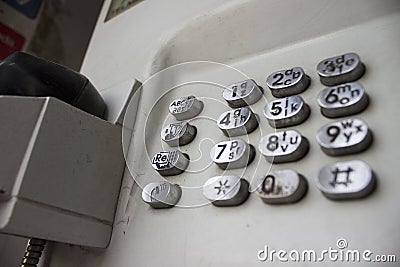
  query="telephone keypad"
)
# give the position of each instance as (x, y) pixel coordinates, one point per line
(282, 186)
(169, 163)
(232, 154)
(346, 180)
(242, 93)
(341, 180)
(344, 137)
(285, 146)
(178, 134)
(340, 69)
(288, 111)
(288, 82)
(236, 122)
(342, 100)
(161, 194)
(227, 190)
(185, 108)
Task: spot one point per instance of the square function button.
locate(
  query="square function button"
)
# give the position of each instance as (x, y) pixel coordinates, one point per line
(342, 100)
(161, 194)
(232, 154)
(282, 187)
(242, 94)
(285, 146)
(344, 137)
(236, 122)
(229, 190)
(288, 111)
(288, 82)
(346, 180)
(169, 163)
(340, 69)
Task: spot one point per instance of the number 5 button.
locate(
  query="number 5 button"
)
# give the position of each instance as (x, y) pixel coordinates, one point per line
(286, 112)
(232, 154)
(237, 122)
(344, 137)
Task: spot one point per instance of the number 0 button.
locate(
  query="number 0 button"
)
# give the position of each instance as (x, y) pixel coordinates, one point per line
(237, 122)
(283, 146)
(233, 154)
(286, 112)
(344, 137)
(288, 82)
(282, 186)
(242, 94)
(342, 100)
(340, 69)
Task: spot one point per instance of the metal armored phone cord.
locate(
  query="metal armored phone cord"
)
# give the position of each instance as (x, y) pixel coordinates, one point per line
(33, 252)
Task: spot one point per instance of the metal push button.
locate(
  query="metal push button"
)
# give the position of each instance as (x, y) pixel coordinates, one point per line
(178, 134)
(242, 94)
(232, 154)
(288, 82)
(229, 190)
(344, 137)
(169, 163)
(340, 69)
(342, 100)
(237, 122)
(282, 186)
(288, 111)
(185, 108)
(346, 180)
(161, 194)
(286, 146)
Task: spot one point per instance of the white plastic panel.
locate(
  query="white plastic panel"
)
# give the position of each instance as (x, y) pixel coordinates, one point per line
(210, 236)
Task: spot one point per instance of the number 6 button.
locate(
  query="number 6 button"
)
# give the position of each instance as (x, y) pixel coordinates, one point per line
(232, 154)
(344, 137)
(237, 122)
(286, 112)
(342, 100)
